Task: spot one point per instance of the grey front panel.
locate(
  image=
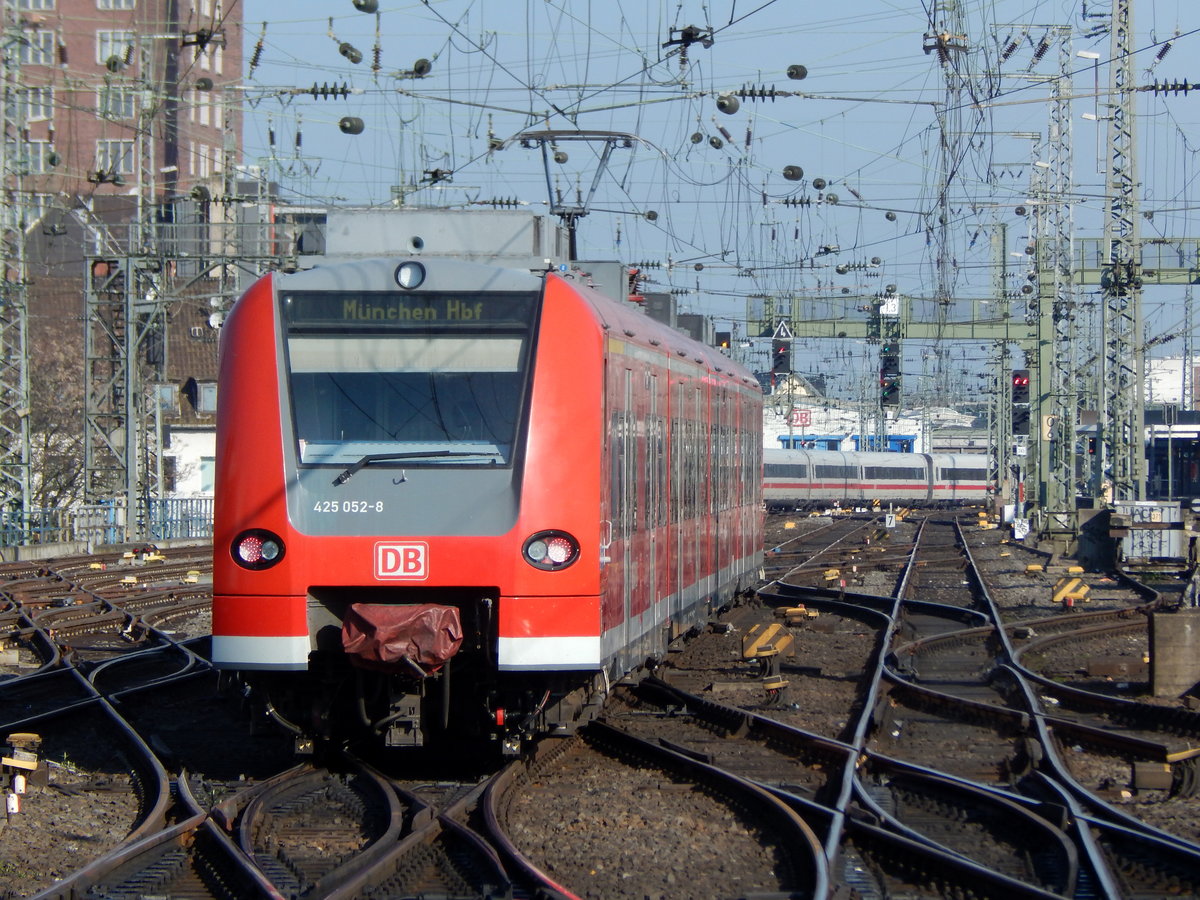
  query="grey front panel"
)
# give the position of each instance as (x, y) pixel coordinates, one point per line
(400, 501)
(405, 405)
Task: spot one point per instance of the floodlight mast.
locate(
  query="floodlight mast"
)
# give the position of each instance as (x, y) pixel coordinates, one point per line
(549, 139)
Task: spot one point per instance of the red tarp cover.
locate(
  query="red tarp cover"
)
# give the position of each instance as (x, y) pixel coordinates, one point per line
(383, 634)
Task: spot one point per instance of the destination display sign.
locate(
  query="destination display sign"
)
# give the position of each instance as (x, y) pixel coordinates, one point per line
(353, 308)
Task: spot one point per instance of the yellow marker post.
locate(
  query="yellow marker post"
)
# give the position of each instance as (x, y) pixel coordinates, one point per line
(1069, 590)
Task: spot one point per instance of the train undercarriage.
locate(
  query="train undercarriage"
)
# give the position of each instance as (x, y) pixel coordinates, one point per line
(337, 701)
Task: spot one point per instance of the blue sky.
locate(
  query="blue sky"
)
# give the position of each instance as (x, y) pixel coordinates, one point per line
(862, 123)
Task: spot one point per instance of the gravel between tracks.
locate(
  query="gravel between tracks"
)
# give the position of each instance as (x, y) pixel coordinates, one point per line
(84, 809)
(605, 830)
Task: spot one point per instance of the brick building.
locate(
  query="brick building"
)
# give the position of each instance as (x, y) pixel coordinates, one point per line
(123, 134)
(136, 97)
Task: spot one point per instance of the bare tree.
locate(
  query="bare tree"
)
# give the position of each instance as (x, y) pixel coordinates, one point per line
(56, 428)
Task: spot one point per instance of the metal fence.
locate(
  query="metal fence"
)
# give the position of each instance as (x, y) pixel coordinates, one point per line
(181, 518)
(184, 518)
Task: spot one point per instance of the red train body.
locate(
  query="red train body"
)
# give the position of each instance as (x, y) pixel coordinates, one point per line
(452, 500)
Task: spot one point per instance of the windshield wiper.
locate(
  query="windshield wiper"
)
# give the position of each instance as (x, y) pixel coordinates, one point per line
(426, 454)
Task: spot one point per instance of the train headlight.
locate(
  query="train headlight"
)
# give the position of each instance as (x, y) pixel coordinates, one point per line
(551, 550)
(410, 275)
(257, 549)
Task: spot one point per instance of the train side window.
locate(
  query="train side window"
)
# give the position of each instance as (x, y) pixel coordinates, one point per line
(897, 473)
(689, 469)
(676, 445)
(693, 469)
(617, 479)
(828, 471)
(960, 474)
(660, 471)
(785, 470)
(632, 457)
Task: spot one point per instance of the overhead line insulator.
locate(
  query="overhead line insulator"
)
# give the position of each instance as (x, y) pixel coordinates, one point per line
(1170, 87)
(498, 202)
(327, 91)
(761, 92)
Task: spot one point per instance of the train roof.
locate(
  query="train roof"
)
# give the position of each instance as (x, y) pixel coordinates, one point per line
(624, 319)
(375, 273)
(629, 321)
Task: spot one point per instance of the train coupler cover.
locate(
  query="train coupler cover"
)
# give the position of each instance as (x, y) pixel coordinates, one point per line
(416, 638)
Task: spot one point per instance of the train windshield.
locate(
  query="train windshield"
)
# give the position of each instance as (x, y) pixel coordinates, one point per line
(428, 390)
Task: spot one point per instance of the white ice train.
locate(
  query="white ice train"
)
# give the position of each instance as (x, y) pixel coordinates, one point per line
(804, 479)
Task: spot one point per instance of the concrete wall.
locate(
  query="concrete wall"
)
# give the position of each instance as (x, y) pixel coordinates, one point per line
(1174, 652)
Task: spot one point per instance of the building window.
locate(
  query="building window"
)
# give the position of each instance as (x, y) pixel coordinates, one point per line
(117, 102)
(208, 473)
(114, 43)
(37, 103)
(206, 401)
(35, 4)
(30, 210)
(116, 4)
(31, 104)
(37, 152)
(29, 157)
(37, 48)
(202, 161)
(114, 157)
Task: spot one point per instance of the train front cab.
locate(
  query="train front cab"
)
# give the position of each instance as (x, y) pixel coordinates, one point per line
(528, 629)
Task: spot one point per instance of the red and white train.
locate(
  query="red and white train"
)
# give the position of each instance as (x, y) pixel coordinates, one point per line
(805, 479)
(453, 500)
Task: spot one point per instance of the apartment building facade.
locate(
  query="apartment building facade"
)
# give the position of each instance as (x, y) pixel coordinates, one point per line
(123, 97)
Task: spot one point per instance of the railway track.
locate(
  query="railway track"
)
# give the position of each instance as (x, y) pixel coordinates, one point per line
(950, 726)
(915, 749)
(701, 831)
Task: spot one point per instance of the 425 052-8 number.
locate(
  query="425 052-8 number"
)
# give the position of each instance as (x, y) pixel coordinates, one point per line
(348, 506)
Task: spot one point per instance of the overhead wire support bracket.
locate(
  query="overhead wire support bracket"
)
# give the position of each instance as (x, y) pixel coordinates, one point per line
(549, 138)
(688, 35)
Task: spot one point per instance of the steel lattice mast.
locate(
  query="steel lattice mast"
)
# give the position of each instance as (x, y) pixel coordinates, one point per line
(15, 485)
(1121, 285)
(947, 41)
(1056, 315)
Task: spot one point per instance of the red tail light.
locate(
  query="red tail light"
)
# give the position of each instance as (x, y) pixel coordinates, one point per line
(257, 549)
(551, 550)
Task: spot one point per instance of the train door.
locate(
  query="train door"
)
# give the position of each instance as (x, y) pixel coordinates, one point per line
(721, 499)
(653, 494)
(693, 525)
(678, 446)
(629, 509)
(702, 472)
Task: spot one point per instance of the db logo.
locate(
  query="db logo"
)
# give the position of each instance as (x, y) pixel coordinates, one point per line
(401, 560)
